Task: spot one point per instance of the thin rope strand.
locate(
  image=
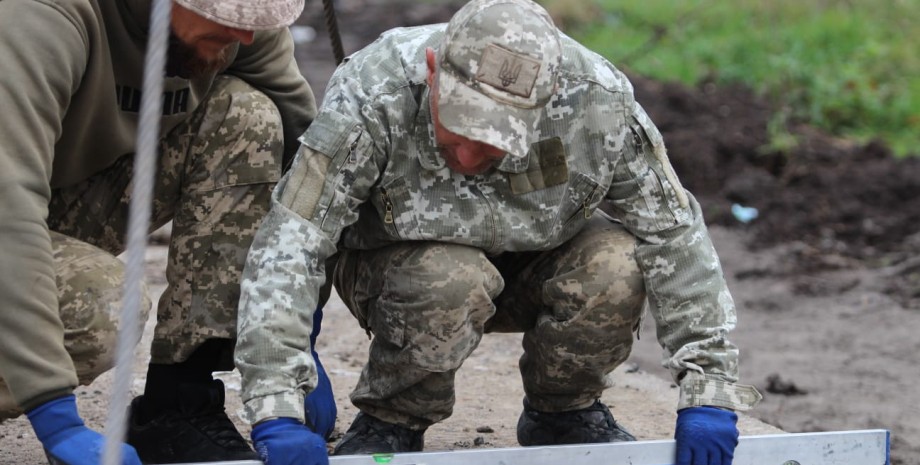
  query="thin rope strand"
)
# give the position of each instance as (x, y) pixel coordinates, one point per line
(138, 225)
(332, 27)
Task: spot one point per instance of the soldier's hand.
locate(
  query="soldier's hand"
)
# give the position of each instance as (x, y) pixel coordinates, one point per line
(67, 441)
(706, 436)
(286, 441)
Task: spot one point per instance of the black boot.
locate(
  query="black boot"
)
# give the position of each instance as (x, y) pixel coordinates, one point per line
(588, 425)
(196, 430)
(369, 435)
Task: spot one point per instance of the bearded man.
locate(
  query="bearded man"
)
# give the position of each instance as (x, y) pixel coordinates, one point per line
(234, 103)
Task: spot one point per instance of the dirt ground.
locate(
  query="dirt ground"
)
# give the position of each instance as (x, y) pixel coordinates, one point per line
(826, 278)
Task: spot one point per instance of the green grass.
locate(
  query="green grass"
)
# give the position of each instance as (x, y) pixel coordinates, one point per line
(849, 66)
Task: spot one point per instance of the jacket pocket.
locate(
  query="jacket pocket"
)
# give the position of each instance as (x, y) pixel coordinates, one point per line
(582, 197)
(395, 207)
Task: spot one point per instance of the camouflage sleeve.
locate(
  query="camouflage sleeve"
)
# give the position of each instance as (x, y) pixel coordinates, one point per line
(687, 293)
(330, 178)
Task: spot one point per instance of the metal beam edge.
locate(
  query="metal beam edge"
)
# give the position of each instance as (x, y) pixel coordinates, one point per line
(863, 447)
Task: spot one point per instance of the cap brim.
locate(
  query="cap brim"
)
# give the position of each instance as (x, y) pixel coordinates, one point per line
(469, 113)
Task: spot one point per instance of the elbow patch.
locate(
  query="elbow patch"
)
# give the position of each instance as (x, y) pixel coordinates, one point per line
(327, 148)
(304, 186)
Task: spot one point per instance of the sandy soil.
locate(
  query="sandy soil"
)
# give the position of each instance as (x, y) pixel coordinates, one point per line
(827, 278)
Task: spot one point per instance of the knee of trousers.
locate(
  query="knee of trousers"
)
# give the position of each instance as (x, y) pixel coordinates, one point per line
(612, 263)
(603, 264)
(240, 136)
(90, 285)
(435, 303)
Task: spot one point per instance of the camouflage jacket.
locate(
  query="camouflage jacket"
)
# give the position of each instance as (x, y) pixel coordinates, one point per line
(369, 174)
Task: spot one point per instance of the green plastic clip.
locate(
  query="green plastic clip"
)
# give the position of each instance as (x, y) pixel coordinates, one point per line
(382, 458)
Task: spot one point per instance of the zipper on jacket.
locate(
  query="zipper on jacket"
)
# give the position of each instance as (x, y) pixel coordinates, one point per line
(388, 207)
(586, 203)
(640, 148)
(352, 147)
(584, 209)
(338, 174)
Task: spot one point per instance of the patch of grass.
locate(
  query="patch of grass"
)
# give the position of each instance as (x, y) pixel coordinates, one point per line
(848, 66)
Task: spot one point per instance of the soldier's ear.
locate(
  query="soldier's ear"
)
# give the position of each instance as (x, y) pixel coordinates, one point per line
(432, 65)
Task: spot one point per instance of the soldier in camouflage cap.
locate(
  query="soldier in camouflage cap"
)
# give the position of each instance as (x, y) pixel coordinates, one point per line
(496, 71)
(234, 103)
(458, 170)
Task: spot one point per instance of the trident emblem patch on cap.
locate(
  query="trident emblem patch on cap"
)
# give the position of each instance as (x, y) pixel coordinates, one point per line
(508, 71)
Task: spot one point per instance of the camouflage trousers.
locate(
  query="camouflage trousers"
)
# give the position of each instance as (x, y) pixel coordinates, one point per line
(214, 180)
(428, 305)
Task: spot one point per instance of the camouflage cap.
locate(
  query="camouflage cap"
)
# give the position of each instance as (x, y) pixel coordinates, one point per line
(497, 69)
(250, 15)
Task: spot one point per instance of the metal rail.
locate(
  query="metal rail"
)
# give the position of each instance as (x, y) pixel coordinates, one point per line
(864, 447)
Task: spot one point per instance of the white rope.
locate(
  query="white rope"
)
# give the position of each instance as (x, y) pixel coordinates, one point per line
(138, 225)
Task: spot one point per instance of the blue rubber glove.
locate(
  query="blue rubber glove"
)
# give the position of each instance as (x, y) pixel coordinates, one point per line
(286, 441)
(320, 403)
(67, 441)
(706, 436)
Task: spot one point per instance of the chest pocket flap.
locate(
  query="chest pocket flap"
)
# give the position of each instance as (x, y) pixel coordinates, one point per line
(548, 167)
